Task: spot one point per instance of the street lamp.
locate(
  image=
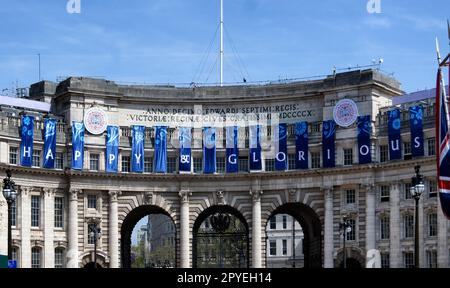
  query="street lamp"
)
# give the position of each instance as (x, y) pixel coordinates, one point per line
(417, 188)
(345, 227)
(10, 194)
(95, 233)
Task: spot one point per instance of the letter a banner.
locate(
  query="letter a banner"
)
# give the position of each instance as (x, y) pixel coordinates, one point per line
(328, 145)
(77, 145)
(232, 149)
(415, 120)
(160, 159)
(185, 149)
(395, 143)
(281, 156)
(49, 143)
(137, 149)
(364, 131)
(301, 145)
(209, 150)
(255, 148)
(112, 148)
(26, 146)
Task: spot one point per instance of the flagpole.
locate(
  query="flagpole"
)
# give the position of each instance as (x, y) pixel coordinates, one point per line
(221, 43)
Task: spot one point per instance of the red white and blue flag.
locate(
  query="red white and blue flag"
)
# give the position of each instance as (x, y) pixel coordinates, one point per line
(443, 151)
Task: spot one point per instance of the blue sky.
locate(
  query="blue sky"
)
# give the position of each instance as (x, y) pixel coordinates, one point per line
(163, 41)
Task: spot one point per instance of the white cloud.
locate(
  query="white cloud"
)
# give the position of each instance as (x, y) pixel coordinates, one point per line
(377, 22)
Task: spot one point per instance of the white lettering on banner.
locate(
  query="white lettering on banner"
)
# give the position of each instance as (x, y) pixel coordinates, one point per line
(49, 154)
(138, 158)
(328, 154)
(77, 154)
(281, 154)
(112, 157)
(232, 159)
(301, 156)
(185, 159)
(364, 150)
(254, 157)
(27, 151)
(395, 148)
(417, 142)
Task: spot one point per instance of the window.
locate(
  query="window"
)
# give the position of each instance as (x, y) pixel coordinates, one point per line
(408, 226)
(273, 248)
(315, 160)
(243, 164)
(432, 189)
(432, 259)
(273, 222)
(171, 165)
(350, 196)
(284, 247)
(14, 213)
(384, 228)
(36, 158)
(126, 163)
(408, 259)
(291, 161)
(13, 151)
(432, 224)
(284, 222)
(270, 164)
(35, 257)
(351, 236)
(348, 157)
(91, 227)
(407, 191)
(384, 152)
(35, 207)
(220, 164)
(93, 161)
(15, 255)
(384, 260)
(59, 161)
(198, 165)
(431, 143)
(148, 165)
(59, 258)
(384, 193)
(406, 148)
(92, 201)
(59, 212)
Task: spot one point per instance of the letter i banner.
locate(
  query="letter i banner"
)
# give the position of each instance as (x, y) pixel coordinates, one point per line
(394, 125)
(185, 138)
(209, 150)
(26, 145)
(112, 148)
(364, 131)
(160, 158)
(301, 145)
(415, 119)
(49, 143)
(281, 156)
(255, 148)
(328, 145)
(232, 149)
(77, 145)
(137, 149)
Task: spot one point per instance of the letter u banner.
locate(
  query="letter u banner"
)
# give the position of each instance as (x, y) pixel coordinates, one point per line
(77, 145)
(281, 156)
(26, 146)
(232, 149)
(185, 138)
(394, 124)
(255, 148)
(112, 148)
(49, 143)
(328, 145)
(415, 119)
(160, 161)
(364, 131)
(301, 145)
(209, 150)
(137, 149)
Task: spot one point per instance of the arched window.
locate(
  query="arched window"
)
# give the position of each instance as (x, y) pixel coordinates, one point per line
(59, 258)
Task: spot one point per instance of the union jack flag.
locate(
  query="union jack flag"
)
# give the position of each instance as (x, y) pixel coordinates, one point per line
(443, 151)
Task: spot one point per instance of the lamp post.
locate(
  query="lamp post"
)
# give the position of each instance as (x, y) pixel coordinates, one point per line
(345, 227)
(95, 233)
(10, 194)
(417, 188)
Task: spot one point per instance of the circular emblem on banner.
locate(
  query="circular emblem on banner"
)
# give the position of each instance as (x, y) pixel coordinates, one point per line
(95, 120)
(345, 113)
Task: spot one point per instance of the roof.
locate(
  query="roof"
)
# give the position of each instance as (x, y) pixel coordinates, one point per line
(416, 96)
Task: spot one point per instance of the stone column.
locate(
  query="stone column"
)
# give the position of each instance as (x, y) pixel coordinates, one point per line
(72, 253)
(25, 223)
(49, 225)
(256, 229)
(328, 229)
(184, 228)
(442, 245)
(113, 229)
(395, 256)
(370, 217)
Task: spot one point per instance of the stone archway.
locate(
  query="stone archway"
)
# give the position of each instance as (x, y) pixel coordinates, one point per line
(128, 225)
(312, 230)
(231, 238)
(355, 258)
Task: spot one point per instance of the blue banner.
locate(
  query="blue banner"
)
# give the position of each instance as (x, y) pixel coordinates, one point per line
(255, 148)
(160, 158)
(49, 143)
(328, 145)
(77, 145)
(416, 125)
(185, 138)
(232, 149)
(26, 146)
(137, 149)
(394, 123)
(301, 145)
(281, 156)
(112, 149)
(364, 131)
(209, 150)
